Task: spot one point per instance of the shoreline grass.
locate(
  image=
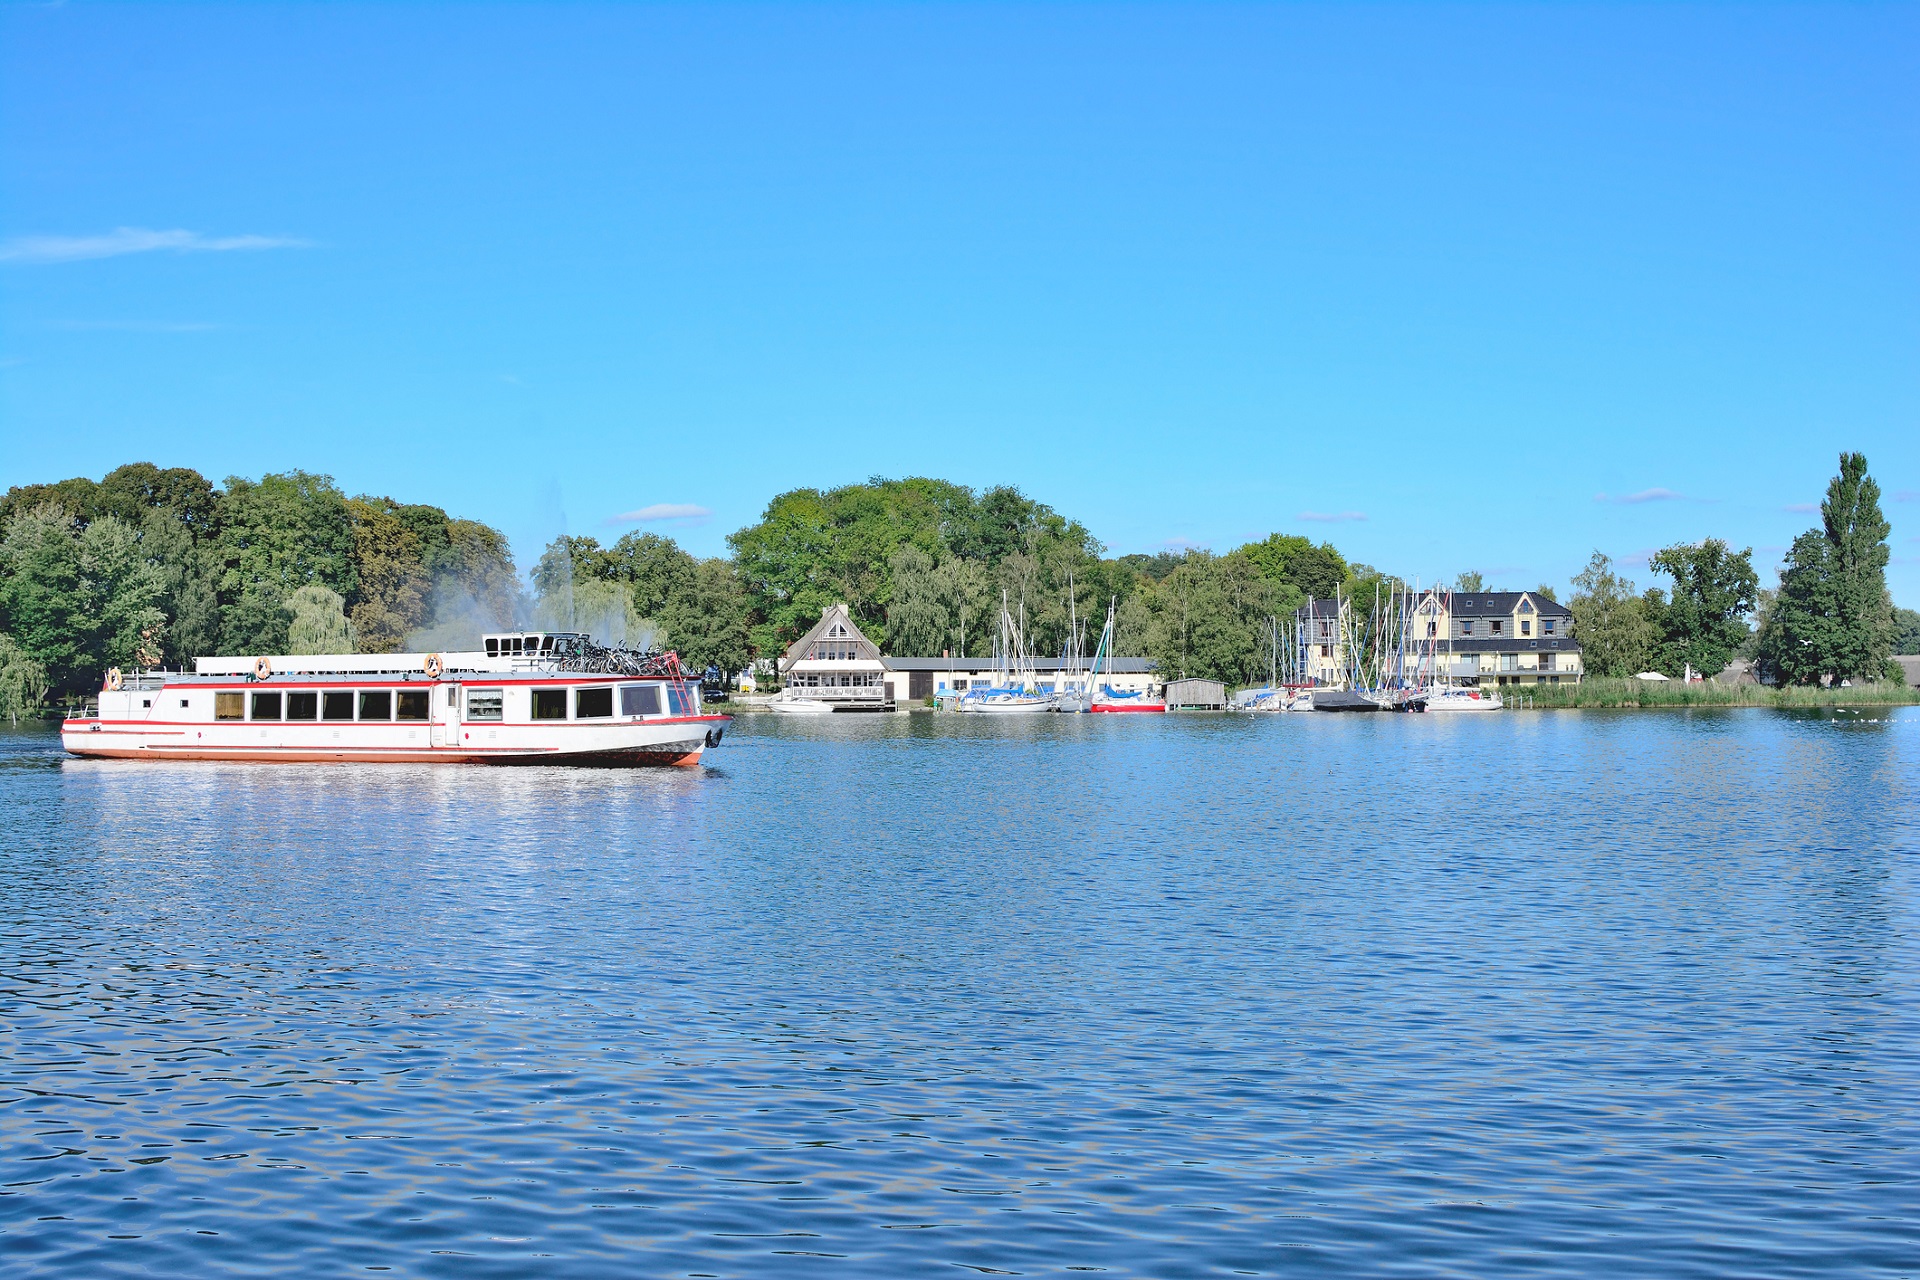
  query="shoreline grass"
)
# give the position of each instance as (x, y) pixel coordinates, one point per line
(1605, 693)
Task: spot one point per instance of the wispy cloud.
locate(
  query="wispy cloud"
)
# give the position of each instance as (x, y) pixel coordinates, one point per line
(663, 513)
(1801, 508)
(132, 326)
(1330, 517)
(40, 250)
(1645, 495)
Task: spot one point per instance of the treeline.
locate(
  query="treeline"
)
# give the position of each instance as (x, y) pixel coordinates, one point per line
(152, 566)
(1830, 619)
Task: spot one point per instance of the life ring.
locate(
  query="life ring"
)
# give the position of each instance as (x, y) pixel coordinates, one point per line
(434, 666)
(115, 679)
(262, 668)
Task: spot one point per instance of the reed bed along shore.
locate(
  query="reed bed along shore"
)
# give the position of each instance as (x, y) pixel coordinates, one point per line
(1603, 692)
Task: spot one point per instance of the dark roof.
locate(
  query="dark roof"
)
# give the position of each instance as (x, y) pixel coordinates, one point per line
(1501, 604)
(1119, 666)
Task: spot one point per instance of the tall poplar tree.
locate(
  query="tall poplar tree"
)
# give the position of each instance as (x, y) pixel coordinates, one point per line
(1833, 617)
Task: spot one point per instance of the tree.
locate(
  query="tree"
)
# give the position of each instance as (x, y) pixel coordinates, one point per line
(1546, 592)
(23, 682)
(1906, 631)
(1209, 617)
(1703, 621)
(917, 620)
(277, 535)
(1470, 581)
(1833, 618)
(390, 576)
(79, 600)
(319, 622)
(1616, 636)
(706, 621)
(1290, 560)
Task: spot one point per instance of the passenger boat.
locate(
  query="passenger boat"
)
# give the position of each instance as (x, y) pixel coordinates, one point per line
(525, 698)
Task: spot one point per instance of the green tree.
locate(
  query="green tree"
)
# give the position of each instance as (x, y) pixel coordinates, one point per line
(1546, 592)
(1833, 618)
(23, 682)
(706, 621)
(1470, 581)
(1616, 636)
(390, 575)
(1290, 560)
(318, 621)
(1208, 618)
(277, 535)
(917, 622)
(79, 600)
(1906, 631)
(1702, 622)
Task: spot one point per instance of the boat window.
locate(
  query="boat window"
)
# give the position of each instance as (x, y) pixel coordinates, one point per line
(229, 706)
(336, 704)
(376, 704)
(549, 704)
(484, 704)
(593, 704)
(266, 706)
(677, 700)
(303, 706)
(493, 646)
(414, 704)
(639, 700)
(453, 695)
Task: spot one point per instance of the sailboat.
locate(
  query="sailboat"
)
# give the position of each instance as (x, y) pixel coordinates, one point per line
(1014, 690)
(1105, 696)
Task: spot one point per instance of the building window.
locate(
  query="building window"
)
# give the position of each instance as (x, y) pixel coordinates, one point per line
(1546, 662)
(229, 706)
(414, 704)
(303, 706)
(376, 704)
(336, 704)
(1496, 626)
(484, 704)
(1326, 651)
(1546, 626)
(639, 700)
(1526, 626)
(266, 706)
(549, 704)
(1433, 628)
(1466, 627)
(593, 704)
(958, 685)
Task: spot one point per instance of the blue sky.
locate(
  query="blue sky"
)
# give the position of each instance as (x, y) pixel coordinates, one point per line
(1457, 287)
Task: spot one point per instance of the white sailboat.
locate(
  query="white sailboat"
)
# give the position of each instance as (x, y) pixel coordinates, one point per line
(1014, 690)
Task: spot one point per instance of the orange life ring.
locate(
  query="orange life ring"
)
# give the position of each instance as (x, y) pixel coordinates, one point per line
(114, 679)
(262, 668)
(434, 666)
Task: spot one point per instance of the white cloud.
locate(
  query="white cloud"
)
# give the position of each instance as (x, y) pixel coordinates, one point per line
(1645, 495)
(1330, 517)
(663, 512)
(39, 250)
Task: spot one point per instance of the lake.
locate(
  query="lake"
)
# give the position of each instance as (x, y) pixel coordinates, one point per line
(1550, 993)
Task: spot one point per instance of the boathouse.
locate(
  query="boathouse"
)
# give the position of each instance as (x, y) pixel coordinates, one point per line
(835, 662)
(917, 679)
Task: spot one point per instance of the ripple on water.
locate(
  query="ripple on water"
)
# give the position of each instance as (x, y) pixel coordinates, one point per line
(1535, 994)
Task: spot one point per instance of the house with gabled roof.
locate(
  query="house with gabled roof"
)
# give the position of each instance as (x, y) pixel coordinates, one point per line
(1499, 637)
(835, 662)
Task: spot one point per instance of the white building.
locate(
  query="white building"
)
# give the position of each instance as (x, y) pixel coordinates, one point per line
(914, 680)
(835, 663)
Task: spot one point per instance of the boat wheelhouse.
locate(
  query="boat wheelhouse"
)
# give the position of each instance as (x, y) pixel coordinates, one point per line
(524, 698)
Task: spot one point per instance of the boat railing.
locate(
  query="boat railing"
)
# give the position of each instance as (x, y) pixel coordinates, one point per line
(89, 710)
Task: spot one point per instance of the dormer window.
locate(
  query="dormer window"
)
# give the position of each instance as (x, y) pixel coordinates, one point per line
(1526, 606)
